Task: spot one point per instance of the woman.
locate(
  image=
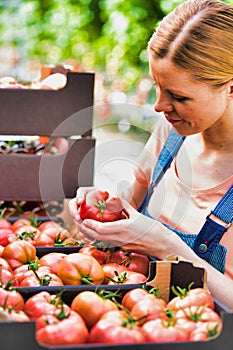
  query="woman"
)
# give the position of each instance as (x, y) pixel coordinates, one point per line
(190, 58)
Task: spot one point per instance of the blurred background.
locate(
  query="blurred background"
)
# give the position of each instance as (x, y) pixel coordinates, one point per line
(107, 37)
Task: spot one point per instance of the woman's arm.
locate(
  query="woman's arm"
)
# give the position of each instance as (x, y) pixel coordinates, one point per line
(147, 236)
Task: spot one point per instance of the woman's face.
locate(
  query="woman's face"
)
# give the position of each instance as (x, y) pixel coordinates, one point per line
(189, 105)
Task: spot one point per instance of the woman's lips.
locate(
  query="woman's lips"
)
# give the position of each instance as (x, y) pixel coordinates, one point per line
(172, 121)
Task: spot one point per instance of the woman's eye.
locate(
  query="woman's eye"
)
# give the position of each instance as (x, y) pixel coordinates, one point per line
(179, 98)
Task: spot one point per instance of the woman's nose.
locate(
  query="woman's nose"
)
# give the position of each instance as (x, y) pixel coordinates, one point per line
(163, 105)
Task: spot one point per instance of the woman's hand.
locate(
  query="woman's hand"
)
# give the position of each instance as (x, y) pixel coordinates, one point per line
(75, 202)
(136, 233)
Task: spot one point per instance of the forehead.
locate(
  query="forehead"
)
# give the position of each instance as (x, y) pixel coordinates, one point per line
(168, 75)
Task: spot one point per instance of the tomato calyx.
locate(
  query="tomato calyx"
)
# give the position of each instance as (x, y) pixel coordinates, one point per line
(181, 292)
(101, 205)
(119, 278)
(213, 332)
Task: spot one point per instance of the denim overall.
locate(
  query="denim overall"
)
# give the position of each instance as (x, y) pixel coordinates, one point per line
(206, 242)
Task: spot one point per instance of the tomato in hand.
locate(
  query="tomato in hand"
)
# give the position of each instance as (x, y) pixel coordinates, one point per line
(99, 205)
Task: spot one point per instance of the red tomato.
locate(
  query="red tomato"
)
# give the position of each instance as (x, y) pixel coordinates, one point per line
(128, 277)
(4, 223)
(192, 317)
(54, 331)
(91, 306)
(18, 253)
(27, 233)
(51, 235)
(10, 298)
(52, 260)
(50, 223)
(132, 297)
(206, 331)
(133, 261)
(40, 278)
(80, 268)
(161, 331)
(11, 314)
(149, 308)
(6, 236)
(1, 249)
(99, 255)
(8, 276)
(20, 222)
(115, 327)
(192, 297)
(111, 270)
(5, 265)
(43, 303)
(99, 205)
(28, 270)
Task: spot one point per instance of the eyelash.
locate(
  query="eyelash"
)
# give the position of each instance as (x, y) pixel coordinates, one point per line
(179, 98)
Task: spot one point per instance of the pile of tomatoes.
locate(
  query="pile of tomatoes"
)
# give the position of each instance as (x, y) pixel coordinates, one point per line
(47, 233)
(103, 316)
(94, 316)
(21, 266)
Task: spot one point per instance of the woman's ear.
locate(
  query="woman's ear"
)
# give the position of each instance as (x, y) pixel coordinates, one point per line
(231, 88)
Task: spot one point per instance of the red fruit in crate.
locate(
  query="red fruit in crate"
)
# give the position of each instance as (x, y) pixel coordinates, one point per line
(19, 253)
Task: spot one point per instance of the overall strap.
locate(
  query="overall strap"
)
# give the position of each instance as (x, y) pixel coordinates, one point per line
(168, 152)
(212, 231)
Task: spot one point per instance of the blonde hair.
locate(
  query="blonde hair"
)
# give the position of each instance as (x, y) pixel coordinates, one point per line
(198, 37)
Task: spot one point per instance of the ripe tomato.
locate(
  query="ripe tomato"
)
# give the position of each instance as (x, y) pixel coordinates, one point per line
(51, 235)
(11, 314)
(6, 236)
(149, 308)
(18, 253)
(4, 223)
(162, 331)
(116, 327)
(132, 297)
(52, 260)
(99, 205)
(206, 331)
(43, 303)
(56, 331)
(192, 297)
(80, 268)
(10, 298)
(40, 278)
(192, 317)
(111, 270)
(99, 255)
(133, 261)
(91, 306)
(128, 277)
(26, 232)
(20, 222)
